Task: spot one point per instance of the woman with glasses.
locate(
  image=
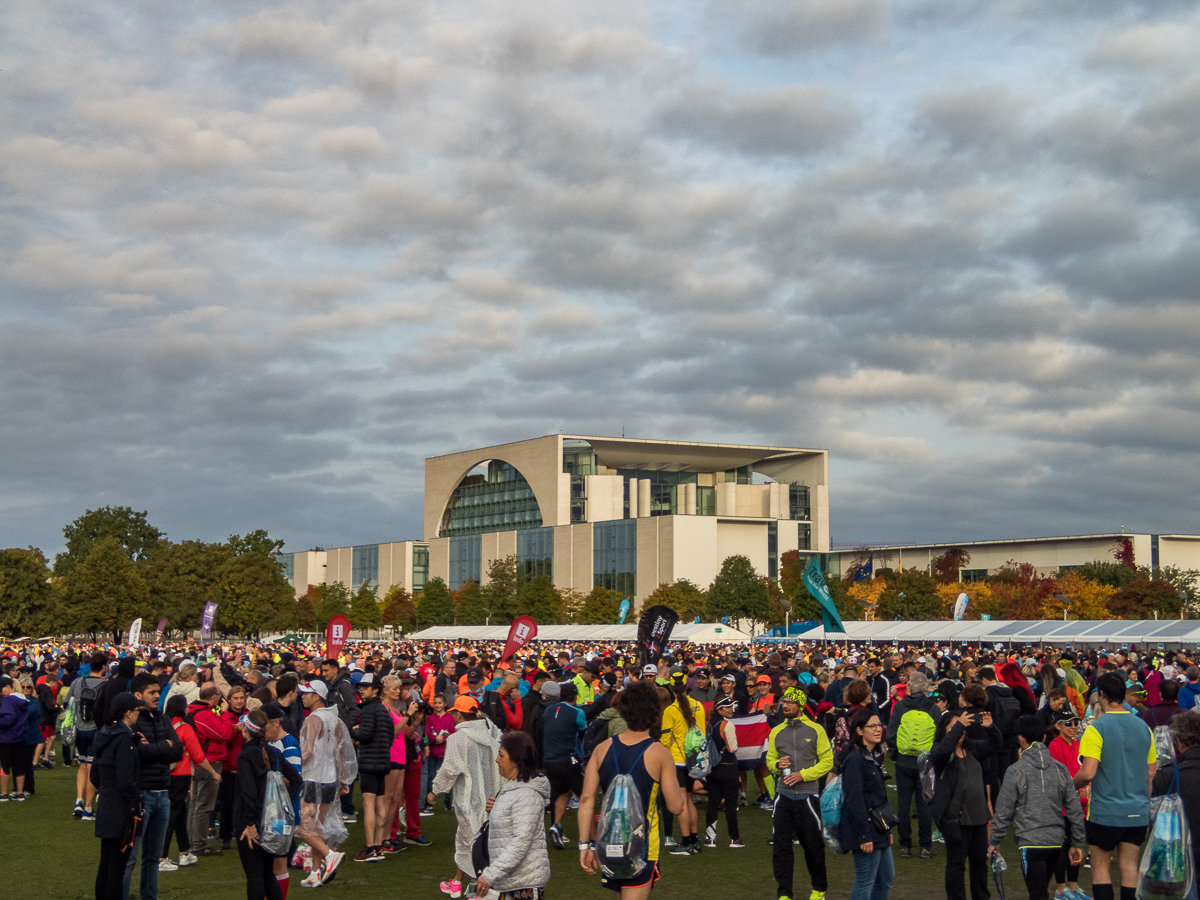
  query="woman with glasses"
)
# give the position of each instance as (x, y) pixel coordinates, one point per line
(867, 818)
(1062, 740)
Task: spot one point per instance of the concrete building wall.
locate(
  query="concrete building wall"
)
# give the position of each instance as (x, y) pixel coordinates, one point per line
(339, 565)
(647, 556)
(605, 497)
(694, 549)
(439, 559)
(747, 539)
(308, 568)
(583, 558)
(564, 556)
(1181, 551)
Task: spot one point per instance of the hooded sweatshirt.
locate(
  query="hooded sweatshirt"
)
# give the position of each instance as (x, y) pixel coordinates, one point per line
(1036, 791)
(1188, 695)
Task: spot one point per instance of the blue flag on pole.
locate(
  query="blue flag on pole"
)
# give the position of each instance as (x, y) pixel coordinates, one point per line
(866, 570)
(815, 582)
(624, 612)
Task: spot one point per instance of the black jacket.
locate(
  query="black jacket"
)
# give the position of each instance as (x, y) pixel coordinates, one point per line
(863, 790)
(251, 784)
(945, 762)
(341, 694)
(115, 773)
(537, 728)
(374, 733)
(531, 703)
(104, 697)
(162, 750)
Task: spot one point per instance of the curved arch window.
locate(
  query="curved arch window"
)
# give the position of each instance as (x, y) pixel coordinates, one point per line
(502, 500)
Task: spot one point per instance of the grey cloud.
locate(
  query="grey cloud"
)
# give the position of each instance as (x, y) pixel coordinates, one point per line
(987, 119)
(786, 27)
(790, 121)
(1078, 224)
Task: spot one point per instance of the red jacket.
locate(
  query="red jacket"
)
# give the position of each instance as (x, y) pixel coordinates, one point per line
(235, 742)
(213, 730)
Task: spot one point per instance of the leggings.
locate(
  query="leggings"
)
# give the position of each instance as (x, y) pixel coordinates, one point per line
(722, 784)
(177, 822)
(110, 876)
(1064, 872)
(1036, 864)
(259, 867)
(226, 791)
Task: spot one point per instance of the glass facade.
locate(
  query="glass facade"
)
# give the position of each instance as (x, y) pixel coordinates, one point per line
(666, 490)
(773, 551)
(830, 564)
(970, 576)
(503, 501)
(798, 501)
(466, 560)
(740, 475)
(579, 461)
(805, 536)
(535, 553)
(364, 566)
(615, 556)
(706, 501)
(287, 565)
(1154, 551)
(420, 568)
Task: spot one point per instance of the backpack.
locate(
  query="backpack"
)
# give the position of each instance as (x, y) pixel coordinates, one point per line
(831, 814)
(87, 705)
(841, 736)
(596, 734)
(621, 832)
(699, 753)
(1006, 709)
(915, 734)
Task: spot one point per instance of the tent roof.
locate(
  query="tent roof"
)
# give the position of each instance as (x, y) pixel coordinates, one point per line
(704, 632)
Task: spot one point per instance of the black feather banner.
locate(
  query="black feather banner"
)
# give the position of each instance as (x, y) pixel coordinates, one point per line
(654, 630)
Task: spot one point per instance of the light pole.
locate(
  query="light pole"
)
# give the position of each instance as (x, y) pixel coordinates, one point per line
(1066, 603)
(488, 616)
(787, 618)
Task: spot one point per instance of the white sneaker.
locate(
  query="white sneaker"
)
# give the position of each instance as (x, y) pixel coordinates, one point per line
(313, 880)
(187, 859)
(165, 865)
(329, 870)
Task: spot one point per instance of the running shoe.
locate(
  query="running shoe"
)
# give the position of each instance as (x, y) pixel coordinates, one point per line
(418, 841)
(573, 803)
(681, 850)
(556, 837)
(349, 819)
(88, 816)
(78, 811)
(738, 844)
(329, 870)
(366, 855)
(392, 846)
(427, 812)
(1078, 894)
(313, 880)
(710, 843)
(817, 895)
(165, 865)
(670, 841)
(451, 888)
(186, 859)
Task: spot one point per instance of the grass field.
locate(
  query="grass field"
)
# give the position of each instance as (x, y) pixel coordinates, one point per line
(53, 855)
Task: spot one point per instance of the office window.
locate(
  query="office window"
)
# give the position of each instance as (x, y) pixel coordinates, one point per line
(578, 458)
(614, 556)
(364, 566)
(665, 490)
(970, 576)
(773, 551)
(805, 536)
(798, 501)
(535, 553)
(501, 501)
(466, 560)
(1154, 551)
(420, 568)
(706, 501)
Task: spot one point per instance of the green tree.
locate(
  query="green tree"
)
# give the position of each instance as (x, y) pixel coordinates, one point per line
(131, 530)
(1141, 599)
(398, 608)
(435, 606)
(105, 592)
(601, 606)
(306, 608)
(27, 601)
(365, 613)
(912, 595)
(335, 601)
(469, 601)
(500, 593)
(1114, 574)
(538, 597)
(181, 577)
(945, 568)
(682, 596)
(254, 597)
(254, 542)
(737, 592)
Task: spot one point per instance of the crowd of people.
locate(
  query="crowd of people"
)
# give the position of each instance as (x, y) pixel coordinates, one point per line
(183, 744)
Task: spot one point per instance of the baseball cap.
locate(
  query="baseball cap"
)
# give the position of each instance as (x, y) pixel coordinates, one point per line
(474, 676)
(729, 678)
(764, 679)
(725, 703)
(649, 669)
(368, 678)
(465, 704)
(315, 687)
(593, 666)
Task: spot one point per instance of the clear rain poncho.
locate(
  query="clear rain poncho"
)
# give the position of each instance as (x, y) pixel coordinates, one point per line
(327, 757)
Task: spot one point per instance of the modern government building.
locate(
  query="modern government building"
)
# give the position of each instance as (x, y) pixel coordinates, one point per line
(630, 514)
(623, 513)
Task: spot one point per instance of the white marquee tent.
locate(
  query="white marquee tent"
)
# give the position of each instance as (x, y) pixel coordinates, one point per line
(1113, 632)
(703, 633)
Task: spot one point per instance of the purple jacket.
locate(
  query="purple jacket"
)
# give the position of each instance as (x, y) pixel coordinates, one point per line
(14, 719)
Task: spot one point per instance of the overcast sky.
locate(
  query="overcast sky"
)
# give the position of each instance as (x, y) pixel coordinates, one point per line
(257, 262)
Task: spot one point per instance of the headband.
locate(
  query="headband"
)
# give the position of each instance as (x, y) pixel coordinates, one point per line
(248, 725)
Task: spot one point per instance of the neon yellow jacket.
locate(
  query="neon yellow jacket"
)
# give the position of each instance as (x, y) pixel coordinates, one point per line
(810, 752)
(675, 728)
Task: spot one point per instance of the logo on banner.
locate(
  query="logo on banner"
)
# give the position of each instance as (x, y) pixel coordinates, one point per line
(335, 636)
(210, 615)
(521, 632)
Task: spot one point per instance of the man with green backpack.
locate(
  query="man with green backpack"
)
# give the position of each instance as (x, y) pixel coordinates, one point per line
(910, 733)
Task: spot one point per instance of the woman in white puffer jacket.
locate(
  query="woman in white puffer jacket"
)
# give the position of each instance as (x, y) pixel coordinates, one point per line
(519, 867)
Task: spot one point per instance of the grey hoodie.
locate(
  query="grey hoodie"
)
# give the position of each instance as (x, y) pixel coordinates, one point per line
(1036, 790)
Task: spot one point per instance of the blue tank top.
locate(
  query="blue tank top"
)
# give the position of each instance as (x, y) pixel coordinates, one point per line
(630, 760)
